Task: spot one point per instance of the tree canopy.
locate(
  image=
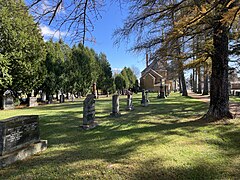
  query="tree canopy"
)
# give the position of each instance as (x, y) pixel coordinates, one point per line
(21, 48)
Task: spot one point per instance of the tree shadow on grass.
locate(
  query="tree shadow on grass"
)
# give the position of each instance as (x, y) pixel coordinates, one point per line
(116, 138)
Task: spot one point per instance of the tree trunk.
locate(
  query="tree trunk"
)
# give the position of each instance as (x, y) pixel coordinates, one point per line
(219, 97)
(1, 99)
(180, 83)
(184, 87)
(199, 89)
(205, 87)
(193, 80)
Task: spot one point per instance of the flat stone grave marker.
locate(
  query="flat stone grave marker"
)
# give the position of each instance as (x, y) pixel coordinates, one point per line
(20, 138)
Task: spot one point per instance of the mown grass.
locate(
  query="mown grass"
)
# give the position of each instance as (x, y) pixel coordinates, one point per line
(235, 99)
(161, 141)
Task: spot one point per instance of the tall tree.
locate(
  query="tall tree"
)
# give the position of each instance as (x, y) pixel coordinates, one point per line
(214, 18)
(22, 44)
(105, 79)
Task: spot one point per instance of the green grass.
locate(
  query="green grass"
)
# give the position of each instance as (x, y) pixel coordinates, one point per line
(234, 99)
(161, 141)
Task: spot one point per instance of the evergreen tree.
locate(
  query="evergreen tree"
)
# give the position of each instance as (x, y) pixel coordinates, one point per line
(22, 46)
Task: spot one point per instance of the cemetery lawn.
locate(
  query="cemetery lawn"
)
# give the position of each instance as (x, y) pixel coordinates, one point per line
(161, 141)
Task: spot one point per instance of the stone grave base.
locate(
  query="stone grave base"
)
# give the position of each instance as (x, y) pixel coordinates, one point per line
(115, 114)
(90, 126)
(23, 153)
(145, 104)
(129, 108)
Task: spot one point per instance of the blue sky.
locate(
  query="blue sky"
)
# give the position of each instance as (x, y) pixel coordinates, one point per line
(112, 18)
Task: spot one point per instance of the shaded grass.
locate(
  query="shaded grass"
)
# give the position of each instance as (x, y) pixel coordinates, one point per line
(161, 141)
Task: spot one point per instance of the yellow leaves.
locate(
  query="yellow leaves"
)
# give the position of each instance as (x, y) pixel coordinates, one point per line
(230, 2)
(229, 16)
(203, 10)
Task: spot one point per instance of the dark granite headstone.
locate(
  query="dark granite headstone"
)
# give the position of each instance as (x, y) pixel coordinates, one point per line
(17, 132)
(19, 139)
(89, 112)
(115, 106)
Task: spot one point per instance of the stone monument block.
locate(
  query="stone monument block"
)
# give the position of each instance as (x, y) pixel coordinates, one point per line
(19, 138)
(115, 106)
(33, 102)
(8, 101)
(89, 112)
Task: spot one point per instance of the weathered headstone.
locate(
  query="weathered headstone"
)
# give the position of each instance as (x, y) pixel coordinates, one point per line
(50, 99)
(62, 98)
(129, 103)
(144, 100)
(161, 92)
(115, 106)
(8, 102)
(20, 138)
(33, 102)
(72, 97)
(89, 112)
(43, 97)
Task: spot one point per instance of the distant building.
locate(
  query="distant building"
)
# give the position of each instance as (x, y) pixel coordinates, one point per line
(154, 75)
(234, 82)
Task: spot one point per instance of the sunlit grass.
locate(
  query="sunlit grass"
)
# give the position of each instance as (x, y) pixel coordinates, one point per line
(161, 141)
(235, 99)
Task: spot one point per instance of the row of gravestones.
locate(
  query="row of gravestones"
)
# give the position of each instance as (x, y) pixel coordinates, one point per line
(89, 108)
(7, 101)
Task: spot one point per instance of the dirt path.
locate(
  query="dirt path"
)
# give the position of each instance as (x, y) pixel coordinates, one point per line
(234, 107)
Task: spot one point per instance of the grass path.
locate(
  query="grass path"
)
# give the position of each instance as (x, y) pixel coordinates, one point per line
(161, 141)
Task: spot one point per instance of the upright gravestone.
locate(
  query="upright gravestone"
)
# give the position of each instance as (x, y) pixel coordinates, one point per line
(129, 102)
(144, 100)
(161, 92)
(19, 138)
(62, 98)
(33, 102)
(89, 112)
(8, 102)
(50, 99)
(72, 97)
(115, 106)
(43, 97)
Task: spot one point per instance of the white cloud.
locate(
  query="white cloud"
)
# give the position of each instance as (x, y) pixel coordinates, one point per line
(47, 32)
(117, 69)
